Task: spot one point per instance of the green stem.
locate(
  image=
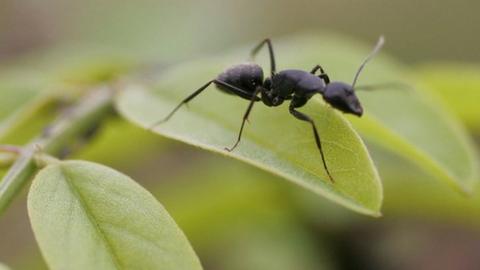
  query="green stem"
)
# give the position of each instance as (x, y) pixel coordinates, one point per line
(70, 126)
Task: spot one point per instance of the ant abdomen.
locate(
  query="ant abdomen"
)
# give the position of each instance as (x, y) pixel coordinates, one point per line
(247, 76)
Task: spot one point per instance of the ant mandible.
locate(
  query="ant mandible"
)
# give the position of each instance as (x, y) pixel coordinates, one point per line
(298, 86)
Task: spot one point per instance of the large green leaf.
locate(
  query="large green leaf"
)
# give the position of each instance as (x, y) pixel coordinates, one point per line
(459, 84)
(274, 141)
(87, 216)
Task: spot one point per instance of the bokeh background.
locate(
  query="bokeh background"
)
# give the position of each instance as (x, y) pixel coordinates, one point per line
(236, 216)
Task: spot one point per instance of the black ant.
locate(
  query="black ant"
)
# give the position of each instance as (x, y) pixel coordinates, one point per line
(298, 86)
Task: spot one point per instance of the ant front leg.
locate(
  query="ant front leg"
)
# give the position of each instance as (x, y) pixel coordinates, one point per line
(304, 117)
(233, 89)
(245, 117)
(270, 51)
(322, 75)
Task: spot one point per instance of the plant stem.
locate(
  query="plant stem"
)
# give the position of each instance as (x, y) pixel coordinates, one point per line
(84, 115)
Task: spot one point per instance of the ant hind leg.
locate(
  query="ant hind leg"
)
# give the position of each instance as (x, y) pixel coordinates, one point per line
(233, 89)
(304, 117)
(245, 118)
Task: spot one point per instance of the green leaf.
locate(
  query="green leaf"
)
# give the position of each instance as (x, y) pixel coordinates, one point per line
(410, 193)
(25, 104)
(459, 84)
(15, 92)
(87, 216)
(28, 119)
(12, 96)
(274, 141)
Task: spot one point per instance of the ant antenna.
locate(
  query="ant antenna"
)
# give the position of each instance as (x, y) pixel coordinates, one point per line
(375, 50)
(387, 85)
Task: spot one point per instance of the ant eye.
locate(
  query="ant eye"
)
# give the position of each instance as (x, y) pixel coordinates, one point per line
(348, 92)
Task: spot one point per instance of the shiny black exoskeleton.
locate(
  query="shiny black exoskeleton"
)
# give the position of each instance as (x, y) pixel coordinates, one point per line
(297, 86)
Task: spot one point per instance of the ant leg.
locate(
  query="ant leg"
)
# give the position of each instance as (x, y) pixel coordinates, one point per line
(185, 101)
(233, 89)
(270, 51)
(304, 117)
(245, 118)
(322, 75)
(316, 68)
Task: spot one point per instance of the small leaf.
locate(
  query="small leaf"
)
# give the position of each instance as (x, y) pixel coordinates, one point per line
(459, 84)
(25, 104)
(12, 96)
(87, 216)
(15, 93)
(274, 141)
(28, 119)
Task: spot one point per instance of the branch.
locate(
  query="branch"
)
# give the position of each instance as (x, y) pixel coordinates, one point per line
(73, 124)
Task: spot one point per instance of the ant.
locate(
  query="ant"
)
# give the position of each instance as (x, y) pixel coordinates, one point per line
(298, 86)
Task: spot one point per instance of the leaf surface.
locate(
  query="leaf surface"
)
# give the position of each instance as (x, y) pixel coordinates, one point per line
(88, 216)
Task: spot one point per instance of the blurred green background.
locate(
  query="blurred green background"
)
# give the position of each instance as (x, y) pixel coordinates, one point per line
(236, 216)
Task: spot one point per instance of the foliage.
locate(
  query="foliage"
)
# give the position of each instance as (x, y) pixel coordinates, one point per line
(458, 84)
(106, 221)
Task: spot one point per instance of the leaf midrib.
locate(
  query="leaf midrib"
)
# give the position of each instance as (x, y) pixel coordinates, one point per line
(77, 194)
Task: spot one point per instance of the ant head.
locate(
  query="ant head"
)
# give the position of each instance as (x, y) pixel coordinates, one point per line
(342, 97)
